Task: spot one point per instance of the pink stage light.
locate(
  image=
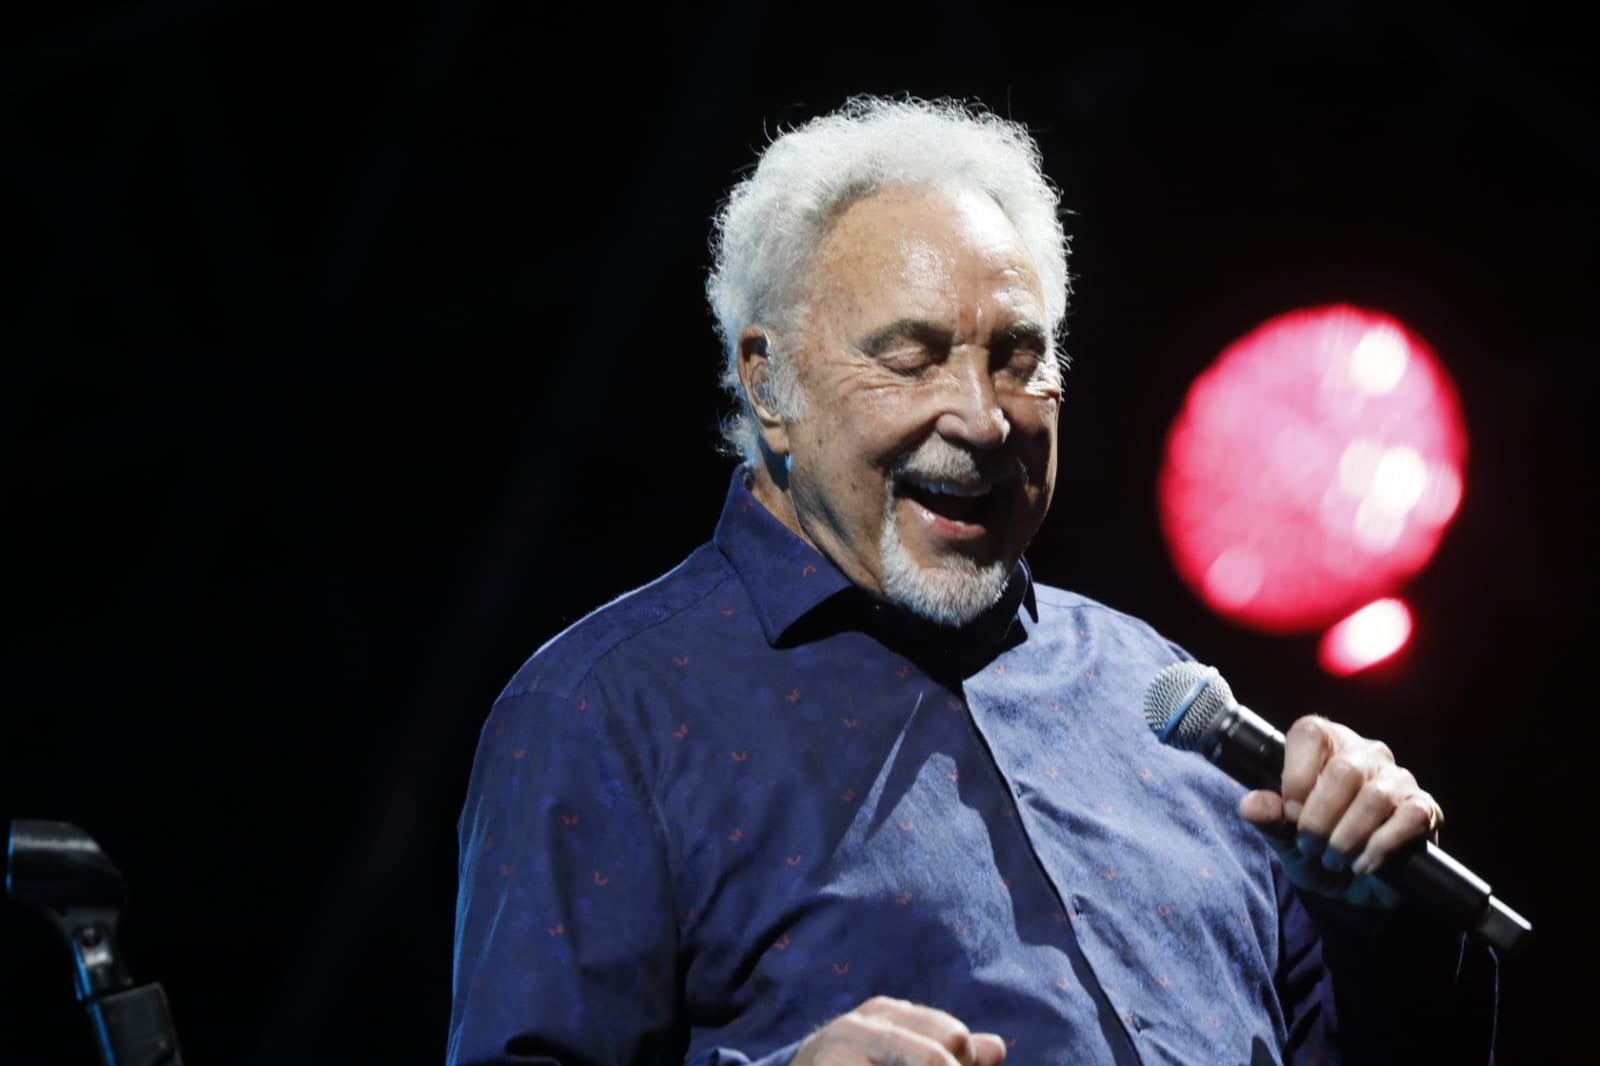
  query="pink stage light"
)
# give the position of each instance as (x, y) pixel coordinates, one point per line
(1366, 638)
(1313, 468)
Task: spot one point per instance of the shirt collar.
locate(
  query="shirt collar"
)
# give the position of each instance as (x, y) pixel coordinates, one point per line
(787, 579)
(785, 576)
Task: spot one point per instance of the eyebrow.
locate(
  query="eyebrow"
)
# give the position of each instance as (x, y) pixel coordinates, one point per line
(923, 330)
(1022, 330)
(936, 334)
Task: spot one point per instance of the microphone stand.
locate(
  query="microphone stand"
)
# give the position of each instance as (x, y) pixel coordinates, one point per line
(56, 868)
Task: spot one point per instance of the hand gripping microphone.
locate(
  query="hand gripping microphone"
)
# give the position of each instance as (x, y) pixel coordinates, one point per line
(1191, 707)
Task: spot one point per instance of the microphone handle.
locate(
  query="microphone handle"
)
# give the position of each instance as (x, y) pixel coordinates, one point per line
(1250, 750)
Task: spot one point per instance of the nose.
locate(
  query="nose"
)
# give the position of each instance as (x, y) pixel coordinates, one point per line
(971, 411)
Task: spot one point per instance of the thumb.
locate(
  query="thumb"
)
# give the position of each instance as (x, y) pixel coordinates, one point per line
(1263, 809)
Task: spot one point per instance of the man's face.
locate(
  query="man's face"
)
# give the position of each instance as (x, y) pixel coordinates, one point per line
(925, 457)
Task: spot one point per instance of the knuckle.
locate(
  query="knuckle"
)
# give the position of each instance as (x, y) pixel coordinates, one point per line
(1343, 769)
(1373, 799)
(1308, 727)
(1425, 809)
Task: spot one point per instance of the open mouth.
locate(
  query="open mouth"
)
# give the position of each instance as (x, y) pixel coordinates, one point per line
(957, 503)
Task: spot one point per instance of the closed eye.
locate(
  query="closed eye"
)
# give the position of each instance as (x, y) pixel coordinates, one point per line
(1019, 349)
(909, 346)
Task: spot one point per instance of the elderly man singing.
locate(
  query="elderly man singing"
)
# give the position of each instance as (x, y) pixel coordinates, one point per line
(848, 785)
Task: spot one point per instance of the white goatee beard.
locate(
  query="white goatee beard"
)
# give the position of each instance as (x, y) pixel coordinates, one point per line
(952, 592)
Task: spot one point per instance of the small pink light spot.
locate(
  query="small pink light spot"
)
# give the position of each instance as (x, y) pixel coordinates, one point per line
(1367, 637)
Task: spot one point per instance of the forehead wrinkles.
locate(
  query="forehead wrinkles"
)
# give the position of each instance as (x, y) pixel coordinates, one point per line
(935, 255)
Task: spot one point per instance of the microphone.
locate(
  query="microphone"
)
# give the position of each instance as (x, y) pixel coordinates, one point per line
(1190, 707)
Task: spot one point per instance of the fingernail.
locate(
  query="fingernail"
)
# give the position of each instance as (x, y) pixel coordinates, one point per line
(1333, 860)
(1309, 844)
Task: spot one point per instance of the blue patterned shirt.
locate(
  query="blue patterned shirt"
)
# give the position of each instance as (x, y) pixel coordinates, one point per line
(739, 801)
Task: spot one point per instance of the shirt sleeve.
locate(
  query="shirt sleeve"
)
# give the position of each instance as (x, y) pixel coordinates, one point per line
(566, 932)
(1370, 986)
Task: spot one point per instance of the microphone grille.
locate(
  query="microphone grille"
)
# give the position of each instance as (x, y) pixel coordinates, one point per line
(1184, 701)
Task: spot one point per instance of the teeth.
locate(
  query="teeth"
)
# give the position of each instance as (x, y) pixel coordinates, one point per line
(951, 488)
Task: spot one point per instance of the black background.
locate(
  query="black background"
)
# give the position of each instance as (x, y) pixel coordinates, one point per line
(353, 350)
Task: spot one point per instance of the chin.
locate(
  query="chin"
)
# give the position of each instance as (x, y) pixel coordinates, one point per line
(952, 592)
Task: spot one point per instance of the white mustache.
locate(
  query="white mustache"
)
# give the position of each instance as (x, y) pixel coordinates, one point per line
(936, 459)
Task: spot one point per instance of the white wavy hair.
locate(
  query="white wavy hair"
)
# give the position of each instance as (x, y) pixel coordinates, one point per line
(773, 219)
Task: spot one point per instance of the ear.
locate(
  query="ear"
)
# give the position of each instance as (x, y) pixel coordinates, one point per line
(755, 373)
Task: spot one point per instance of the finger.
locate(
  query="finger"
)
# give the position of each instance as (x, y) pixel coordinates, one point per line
(1338, 783)
(1353, 761)
(1263, 809)
(943, 1030)
(1370, 808)
(862, 1039)
(1417, 816)
(988, 1049)
(1307, 747)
